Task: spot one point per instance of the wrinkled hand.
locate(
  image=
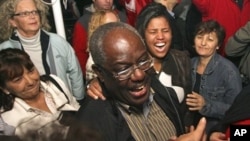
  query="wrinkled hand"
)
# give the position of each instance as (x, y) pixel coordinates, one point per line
(195, 101)
(196, 135)
(218, 136)
(94, 89)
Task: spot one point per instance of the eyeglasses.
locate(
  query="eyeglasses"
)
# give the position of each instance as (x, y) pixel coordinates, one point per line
(27, 13)
(125, 74)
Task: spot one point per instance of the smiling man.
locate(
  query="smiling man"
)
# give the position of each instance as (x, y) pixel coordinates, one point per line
(137, 106)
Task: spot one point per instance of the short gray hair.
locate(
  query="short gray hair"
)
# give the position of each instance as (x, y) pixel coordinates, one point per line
(96, 40)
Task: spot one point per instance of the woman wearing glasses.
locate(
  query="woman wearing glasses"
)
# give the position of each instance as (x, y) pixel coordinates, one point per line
(24, 26)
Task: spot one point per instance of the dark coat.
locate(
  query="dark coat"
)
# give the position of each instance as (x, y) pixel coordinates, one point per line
(105, 117)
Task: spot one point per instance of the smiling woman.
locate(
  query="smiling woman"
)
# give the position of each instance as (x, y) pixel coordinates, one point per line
(29, 103)
(24, 25)
(216, 80)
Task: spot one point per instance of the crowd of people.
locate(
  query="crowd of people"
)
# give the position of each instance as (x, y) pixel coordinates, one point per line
(147, 70)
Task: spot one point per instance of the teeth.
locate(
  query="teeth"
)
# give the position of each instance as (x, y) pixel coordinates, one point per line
(160, 44)
(139, 88)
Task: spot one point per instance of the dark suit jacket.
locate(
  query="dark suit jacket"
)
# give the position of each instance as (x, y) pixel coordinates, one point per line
(105, 117)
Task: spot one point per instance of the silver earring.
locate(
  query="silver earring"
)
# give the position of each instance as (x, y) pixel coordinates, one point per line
(8, 93)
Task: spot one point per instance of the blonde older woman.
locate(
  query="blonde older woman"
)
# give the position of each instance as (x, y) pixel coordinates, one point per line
(23, 26)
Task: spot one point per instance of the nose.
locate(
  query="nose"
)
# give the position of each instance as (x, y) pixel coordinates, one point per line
(28, 79)
(32, 15)
(109, 1)
(203, 42)
(138, 75)
(159, 35)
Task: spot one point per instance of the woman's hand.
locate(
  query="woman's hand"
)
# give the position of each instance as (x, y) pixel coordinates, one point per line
(94, 89)
(195, 101)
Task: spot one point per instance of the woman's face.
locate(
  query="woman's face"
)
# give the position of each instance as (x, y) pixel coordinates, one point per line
(158, 36)
(206, 44)
(26, 86)
(27, 24)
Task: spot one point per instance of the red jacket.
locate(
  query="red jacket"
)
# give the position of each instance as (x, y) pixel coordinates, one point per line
(133, 8)
(227, 13)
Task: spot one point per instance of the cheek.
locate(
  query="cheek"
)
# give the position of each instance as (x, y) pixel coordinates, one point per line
(16, 89)
(149, 39)
(168, 37)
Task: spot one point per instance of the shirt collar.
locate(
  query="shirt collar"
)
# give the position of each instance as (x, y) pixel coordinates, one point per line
(131, 109)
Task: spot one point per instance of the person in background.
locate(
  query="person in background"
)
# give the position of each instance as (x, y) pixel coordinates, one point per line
(215, 80)
(133, 8)
(80, 31)
(30, 102)
(231, 14)
(98, 18)
(239, 45)
(24, 26)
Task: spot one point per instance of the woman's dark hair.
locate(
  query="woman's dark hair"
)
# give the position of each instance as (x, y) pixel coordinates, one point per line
(12, 64)
(150, 11)
(211, 26)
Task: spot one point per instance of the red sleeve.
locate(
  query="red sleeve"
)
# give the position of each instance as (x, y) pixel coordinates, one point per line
(202, 6)
(79, 43)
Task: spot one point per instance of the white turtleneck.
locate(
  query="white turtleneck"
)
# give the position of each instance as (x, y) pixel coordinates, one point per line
(32, 46)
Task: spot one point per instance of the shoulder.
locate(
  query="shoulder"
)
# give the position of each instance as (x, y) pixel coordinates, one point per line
(225, 62)
(9, 44)
(58, 42)
(54, 36)
(92, 107)
(176, 52)
(84, 19)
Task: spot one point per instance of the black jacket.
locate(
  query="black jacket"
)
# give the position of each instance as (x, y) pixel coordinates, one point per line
(105, 117)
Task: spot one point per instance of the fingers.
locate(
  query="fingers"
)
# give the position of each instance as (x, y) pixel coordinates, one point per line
(195, 101)
(94, 90)
(191, 128)
(201, 126)
(218, 136)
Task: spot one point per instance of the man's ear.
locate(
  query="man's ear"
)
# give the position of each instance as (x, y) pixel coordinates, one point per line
(98, 72)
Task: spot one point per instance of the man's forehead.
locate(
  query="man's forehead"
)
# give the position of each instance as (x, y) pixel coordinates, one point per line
(121, 33)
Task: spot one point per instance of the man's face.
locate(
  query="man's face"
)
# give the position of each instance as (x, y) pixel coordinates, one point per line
(124, 52)
(103, 4)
